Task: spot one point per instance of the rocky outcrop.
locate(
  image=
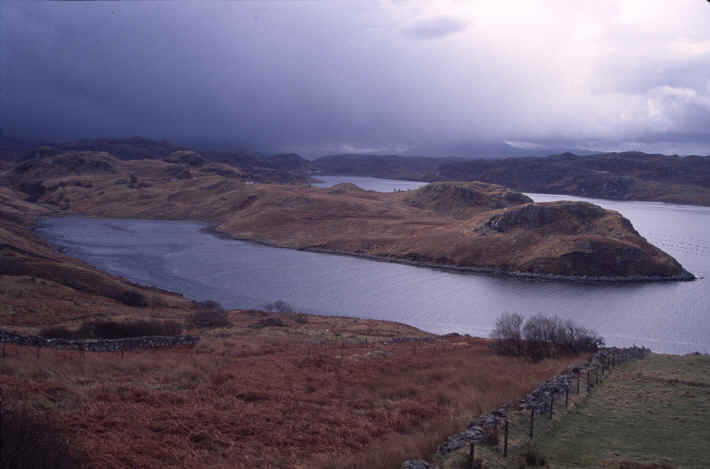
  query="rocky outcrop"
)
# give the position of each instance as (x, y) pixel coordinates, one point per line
(462, 200)
(534, 216)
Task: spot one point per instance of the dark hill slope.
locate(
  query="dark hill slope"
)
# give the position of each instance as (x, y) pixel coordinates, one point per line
(617, 176)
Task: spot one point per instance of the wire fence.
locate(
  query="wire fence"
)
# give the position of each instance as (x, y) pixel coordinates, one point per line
(539, 412)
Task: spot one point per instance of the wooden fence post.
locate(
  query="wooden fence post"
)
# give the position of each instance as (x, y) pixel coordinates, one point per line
(505, 439)
(471, 455)
(552, 402)
(589, 382)
(532, 421)
(566, 397)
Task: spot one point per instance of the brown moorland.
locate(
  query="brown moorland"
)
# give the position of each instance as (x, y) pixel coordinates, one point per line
(469, 226)
(311, 392)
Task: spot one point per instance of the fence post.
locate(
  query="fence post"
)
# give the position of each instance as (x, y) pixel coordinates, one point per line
(505, 439)
(589, 382)
(471, 455)
(552, 402)
(532, 421)
(578, 378)
(2, 436)
(566, 397)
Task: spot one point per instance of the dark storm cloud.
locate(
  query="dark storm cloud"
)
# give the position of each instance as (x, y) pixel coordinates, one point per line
(321, 77)
(431, 28)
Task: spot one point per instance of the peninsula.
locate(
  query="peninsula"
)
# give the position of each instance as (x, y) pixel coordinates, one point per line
(470, 226)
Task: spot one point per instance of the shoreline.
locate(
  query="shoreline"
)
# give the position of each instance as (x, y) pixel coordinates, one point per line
(211, 228)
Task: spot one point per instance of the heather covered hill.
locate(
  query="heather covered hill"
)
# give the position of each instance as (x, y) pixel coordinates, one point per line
(470, 226)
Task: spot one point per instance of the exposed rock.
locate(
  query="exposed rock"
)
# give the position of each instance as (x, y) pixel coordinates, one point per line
(532, 216)
(464, 199)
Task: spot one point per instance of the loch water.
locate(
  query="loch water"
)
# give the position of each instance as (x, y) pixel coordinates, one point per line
(668, 317)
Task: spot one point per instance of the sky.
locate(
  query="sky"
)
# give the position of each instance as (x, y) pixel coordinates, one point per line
(332, 76)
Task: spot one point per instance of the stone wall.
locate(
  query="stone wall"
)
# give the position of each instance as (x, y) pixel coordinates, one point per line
(540, 398)
(113, 345)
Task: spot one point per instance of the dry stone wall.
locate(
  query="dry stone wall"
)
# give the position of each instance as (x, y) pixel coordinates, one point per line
(113, 345)
(539, 399)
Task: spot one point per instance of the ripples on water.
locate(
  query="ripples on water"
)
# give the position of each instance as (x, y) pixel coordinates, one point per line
(667, 317)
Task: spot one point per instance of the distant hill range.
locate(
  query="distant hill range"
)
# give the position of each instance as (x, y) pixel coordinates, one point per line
(282, 168)
(617, 176)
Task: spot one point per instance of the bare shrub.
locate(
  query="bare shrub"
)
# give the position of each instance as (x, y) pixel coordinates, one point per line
(542, 337)
(507, 334)
(132, 298)
(114, 330)
(209, 314)
(301, 318)
(278, 306)
(57, 333)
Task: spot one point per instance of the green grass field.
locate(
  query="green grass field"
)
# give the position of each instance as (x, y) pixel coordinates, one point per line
(647, 414)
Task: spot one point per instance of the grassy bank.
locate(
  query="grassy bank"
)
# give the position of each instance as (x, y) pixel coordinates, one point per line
(648, 414)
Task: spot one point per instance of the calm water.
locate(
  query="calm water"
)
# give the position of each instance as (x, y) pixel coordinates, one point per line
(667, 317)
(370, 184)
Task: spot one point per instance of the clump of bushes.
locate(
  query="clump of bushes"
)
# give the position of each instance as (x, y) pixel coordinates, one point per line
(542, 336)
(114, 330)
(209, 314)
(278, 306)
(132, 298)
(30, 443)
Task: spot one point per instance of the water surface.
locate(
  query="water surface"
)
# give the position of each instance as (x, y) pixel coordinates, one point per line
(671, 317)
(370, 184)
